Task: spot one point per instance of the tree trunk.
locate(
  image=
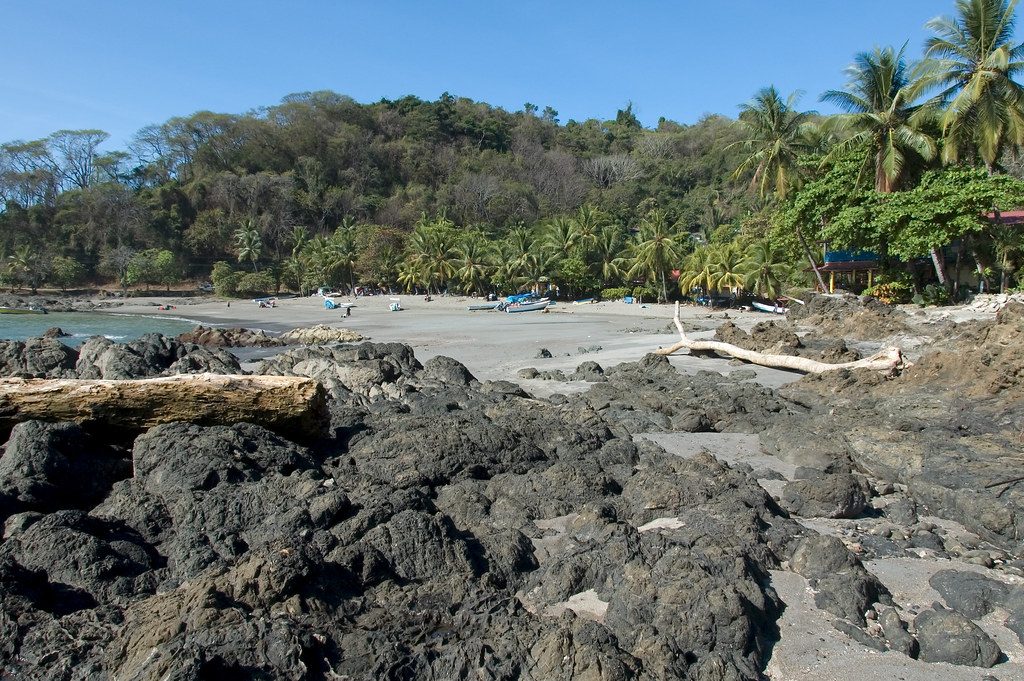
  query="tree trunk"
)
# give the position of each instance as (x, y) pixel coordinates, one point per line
(810, 259)
(292, 406)
(887, 360)
(939, 261)
(664, 287)
(983, 285)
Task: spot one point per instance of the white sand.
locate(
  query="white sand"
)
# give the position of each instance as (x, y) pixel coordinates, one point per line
(493, 345)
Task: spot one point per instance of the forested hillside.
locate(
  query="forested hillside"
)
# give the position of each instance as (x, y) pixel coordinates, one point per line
(454, 194)
(318, 160)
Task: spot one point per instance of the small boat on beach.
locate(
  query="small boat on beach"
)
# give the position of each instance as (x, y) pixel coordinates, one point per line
(483, 306)
(777, 308)
(532, 306)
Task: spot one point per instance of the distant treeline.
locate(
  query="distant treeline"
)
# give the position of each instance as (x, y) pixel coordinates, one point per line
(456, 194)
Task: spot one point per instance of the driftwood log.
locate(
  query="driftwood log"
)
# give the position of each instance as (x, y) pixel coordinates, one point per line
(886, 360)
(292, 406)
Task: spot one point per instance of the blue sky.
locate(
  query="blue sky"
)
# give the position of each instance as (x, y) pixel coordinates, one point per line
(121, 65)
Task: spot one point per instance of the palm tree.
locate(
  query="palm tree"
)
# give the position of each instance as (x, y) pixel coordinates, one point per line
(474, 260)
(249, 244)
(972, 60)
(23, 266)
(608, 253)
(589, 221)
(322, 260)
(764, 264)
(431, 249)
(726, 267)
(348, 253)
(518, 250)
(880, 101)
(561, 237)
(697, 271)
(776, 137)
(658, 250)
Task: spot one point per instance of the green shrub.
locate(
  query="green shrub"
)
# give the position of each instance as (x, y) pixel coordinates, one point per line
(226, 285)
(932, 294)
(648, 293)
(255, 283)
(614, 293)
(892, 292)
(221, 269)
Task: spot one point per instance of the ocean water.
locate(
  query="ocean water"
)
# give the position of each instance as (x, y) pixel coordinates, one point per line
(82, 325)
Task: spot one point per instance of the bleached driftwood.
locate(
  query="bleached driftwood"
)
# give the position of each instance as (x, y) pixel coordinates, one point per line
(886, 360)
(290, 405)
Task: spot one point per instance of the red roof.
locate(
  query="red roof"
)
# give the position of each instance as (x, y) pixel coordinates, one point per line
(1008, 217)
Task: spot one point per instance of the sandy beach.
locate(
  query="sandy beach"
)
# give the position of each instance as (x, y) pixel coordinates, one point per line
(493, 345)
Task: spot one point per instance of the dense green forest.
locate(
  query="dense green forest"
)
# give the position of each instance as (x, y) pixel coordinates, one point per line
(457, 195)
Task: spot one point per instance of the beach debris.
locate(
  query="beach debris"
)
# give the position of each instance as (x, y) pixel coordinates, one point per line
(888, 360)
(321, 333)
(285, 404)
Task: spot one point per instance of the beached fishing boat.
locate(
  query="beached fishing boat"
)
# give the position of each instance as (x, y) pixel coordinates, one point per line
(766, 307)
(35, 309)
(528, 307)
(484, 306)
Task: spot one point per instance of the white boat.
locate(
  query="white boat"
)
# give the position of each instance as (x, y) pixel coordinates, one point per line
(528, 307)
(483, 306)
(765, 307)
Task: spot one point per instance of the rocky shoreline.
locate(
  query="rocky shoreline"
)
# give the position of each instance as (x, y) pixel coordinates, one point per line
(447, 527)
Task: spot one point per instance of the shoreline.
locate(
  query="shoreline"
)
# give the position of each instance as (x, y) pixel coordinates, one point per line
(493, 345)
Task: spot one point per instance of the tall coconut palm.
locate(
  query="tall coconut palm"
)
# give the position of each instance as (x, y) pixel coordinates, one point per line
(726, 267)
(764, 265)
(473, 262)
(880, 99)
(431, 248)
(973, 61)
(517, 251)
(609, 254)
(561, 237)
(776, 137)
(249, 244)
(589, 221)
(658, 250)
(697, 271)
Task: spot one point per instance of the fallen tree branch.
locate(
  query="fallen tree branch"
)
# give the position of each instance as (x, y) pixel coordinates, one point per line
(887, 360)
(293, 406)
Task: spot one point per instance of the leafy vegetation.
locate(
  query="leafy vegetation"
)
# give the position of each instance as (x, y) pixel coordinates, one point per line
(456, 195)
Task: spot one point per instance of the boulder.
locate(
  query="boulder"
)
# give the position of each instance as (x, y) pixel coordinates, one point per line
(947, 636)
(48, 466)
(828, 496)
(969, 593)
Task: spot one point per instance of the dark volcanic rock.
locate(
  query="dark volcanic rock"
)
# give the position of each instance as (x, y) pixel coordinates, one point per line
(843, 586)
(229, 338)
(150, 355)
(650, 395)
(947, 636)
(763, 337)
(446, 528)
(447, 371)
(828, 496)
(969, 593)
(36, 358)
(47, 466)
